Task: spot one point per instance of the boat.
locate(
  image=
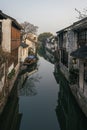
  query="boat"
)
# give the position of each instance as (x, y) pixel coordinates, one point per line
(32, 72)
(30, 60)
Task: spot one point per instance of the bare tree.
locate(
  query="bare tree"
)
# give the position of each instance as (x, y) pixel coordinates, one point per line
(28, 28)
(81, 14)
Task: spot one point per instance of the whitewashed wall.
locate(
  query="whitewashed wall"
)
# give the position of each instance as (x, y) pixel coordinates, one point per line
(6, 39)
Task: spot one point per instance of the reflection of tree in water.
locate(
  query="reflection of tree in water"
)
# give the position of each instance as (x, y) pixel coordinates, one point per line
(29, 88)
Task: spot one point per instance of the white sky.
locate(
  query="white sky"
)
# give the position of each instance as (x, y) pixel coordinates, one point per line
(48, 15)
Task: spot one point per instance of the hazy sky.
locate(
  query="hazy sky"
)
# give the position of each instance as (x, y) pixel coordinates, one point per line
(48, 15)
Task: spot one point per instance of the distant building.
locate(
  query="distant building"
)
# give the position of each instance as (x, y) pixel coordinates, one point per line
(50, 48)
(23, 51)
(31, 40)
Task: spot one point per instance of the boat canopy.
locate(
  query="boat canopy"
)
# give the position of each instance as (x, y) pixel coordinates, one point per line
(31, 57)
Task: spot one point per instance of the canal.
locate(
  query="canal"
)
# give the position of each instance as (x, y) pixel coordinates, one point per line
(38, 99)
(40, 102)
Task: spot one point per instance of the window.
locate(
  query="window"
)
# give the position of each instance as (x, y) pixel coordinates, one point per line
(82, 37)
(85, 72)
(60, 40)
(64, 57)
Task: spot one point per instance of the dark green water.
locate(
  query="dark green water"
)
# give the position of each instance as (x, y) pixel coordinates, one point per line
(40, 103)
(38, 99)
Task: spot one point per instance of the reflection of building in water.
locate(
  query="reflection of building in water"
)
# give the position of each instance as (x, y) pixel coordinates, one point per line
(10, 118)
(28, 87)
(68, 113)
(26, 83)
(56, 76)
(24, 73)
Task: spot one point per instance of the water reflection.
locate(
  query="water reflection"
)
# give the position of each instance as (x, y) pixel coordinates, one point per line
(28, 87)
(68, 112)
(39, 110)
(10, 118)
(26, 84)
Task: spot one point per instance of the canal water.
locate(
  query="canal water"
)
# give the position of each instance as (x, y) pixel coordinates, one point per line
(38, 99)
(41, 102)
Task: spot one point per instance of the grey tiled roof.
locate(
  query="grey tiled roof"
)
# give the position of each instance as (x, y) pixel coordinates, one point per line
(5, 16)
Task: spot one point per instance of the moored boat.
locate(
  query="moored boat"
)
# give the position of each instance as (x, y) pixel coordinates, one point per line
(30, 60)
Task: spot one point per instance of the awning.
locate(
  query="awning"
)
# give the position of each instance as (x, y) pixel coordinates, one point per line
(80, 53)
(31, 56)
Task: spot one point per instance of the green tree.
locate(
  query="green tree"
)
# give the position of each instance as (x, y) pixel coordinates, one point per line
(43, 36)
(41, 42)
